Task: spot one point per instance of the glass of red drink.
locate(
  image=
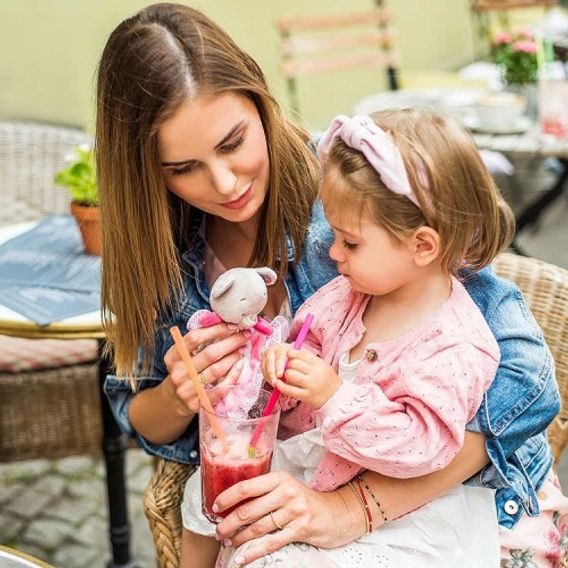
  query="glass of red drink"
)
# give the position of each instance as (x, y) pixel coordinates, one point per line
(224, 465)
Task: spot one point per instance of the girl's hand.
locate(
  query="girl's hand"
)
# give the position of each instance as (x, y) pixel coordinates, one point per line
(305, 515)
(307, 378)
(274, 362)
(215, 353)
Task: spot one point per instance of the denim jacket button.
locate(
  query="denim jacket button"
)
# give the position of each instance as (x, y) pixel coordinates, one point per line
(193, 454)
(511, 507)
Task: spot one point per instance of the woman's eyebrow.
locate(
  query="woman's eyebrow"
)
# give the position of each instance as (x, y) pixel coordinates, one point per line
(225, 139)
(230, 134)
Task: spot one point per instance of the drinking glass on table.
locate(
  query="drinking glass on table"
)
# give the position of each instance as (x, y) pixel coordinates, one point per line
(224, 463)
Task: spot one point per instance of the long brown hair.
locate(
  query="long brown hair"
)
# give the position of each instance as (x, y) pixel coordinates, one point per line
(457, 195)
(151, 63)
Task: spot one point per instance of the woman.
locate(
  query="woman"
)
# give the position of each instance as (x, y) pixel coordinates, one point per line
(199, 172)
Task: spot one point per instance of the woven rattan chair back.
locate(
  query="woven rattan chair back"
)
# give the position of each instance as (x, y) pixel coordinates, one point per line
(30, 155)
(49, 413)
(544, 286)
(312, 45)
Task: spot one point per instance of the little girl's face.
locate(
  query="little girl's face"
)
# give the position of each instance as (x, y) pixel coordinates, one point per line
(371, 259)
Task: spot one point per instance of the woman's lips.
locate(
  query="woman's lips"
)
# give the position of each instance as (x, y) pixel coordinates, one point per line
(241, 201)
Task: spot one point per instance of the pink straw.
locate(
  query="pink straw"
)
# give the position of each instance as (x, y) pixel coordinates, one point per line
(276, 393)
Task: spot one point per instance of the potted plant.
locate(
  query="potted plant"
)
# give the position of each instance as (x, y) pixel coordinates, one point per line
(79, 178)
(516, 55)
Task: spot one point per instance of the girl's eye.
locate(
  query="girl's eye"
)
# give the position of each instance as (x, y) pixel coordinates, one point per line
(227, 148)
(349, 246)
(183, 170)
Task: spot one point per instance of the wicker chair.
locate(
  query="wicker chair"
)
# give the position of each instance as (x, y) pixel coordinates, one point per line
(546, 289)
(55, 412)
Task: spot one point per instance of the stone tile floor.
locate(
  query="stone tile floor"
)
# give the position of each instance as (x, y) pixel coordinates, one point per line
(56, 510)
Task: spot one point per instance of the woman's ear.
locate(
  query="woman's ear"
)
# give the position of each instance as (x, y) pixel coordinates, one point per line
(425, 246)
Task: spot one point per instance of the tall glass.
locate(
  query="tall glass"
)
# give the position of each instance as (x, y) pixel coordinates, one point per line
(222, 467)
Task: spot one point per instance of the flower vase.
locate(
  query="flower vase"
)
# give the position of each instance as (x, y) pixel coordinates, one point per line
(530, 93)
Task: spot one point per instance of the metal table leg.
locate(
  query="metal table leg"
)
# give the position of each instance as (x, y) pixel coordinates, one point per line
(114, 447)
(532, 211)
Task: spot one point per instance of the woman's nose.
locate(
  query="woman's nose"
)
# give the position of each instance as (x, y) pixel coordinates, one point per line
(224, 179)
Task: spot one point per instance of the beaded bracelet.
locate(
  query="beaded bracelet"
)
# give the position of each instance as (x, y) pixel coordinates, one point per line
(377, 502)
(359, 498)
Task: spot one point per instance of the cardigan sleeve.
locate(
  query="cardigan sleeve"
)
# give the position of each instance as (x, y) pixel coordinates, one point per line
(415, 423)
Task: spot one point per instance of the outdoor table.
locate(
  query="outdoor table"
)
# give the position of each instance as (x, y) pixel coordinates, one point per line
(461, 102)
(114, 442)
(10, 558)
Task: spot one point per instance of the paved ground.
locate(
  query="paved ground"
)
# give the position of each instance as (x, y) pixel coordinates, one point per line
(57, 512)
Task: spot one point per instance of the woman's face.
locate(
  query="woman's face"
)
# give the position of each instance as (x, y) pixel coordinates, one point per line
(213, 154)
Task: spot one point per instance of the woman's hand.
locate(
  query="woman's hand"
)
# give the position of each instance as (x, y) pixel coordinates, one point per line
(215, 353)
(305, 515)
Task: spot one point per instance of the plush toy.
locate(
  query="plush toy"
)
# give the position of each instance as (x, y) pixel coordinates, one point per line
(238, 296)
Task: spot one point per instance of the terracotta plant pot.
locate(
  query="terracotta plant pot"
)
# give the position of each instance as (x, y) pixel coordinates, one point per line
(88, 220)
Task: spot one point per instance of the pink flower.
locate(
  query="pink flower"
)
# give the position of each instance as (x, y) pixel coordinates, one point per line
(552, 540)
(525, 33)
(525, 45)
(503, 38)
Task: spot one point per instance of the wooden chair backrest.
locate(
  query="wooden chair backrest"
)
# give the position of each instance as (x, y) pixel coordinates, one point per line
(496, 5)
(336, 42)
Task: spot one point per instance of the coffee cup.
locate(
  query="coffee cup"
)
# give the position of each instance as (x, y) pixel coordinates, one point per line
(499, 111)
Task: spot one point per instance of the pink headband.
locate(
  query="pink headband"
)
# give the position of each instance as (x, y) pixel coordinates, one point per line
(363, 135)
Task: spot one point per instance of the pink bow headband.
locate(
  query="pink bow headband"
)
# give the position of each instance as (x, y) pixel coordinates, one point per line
(363, 135)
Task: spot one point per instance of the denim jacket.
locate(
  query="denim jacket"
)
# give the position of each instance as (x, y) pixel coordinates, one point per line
(521, 402)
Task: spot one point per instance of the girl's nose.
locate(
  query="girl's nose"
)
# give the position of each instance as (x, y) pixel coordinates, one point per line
(224, 179)
(335, 252)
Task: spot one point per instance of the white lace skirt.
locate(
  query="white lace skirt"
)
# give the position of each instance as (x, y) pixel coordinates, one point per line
(457, 530)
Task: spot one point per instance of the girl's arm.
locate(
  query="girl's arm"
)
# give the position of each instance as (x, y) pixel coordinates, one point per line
(312, 517)
(416, 424)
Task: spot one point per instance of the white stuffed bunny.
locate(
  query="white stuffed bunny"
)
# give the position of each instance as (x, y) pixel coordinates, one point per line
(238, 296)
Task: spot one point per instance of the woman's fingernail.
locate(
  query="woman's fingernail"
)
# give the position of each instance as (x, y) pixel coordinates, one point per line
(228, 542)
(215, 508)
(241, 350)
(239, 365)
(232, 326)
(240, 560)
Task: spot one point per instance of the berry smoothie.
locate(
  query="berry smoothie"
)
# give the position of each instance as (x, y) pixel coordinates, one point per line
(220, 472)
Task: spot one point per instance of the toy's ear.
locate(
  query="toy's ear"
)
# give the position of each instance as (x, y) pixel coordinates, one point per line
(267, 274)
(222, 284)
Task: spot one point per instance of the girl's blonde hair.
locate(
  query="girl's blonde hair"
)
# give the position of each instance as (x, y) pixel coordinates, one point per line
(151, 63)
(457, 195)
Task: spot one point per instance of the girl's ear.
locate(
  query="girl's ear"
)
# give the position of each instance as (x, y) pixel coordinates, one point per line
(425, 246)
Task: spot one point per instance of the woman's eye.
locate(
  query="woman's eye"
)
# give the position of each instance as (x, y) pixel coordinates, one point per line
(233, 145)
(349, 246)
(183, 170)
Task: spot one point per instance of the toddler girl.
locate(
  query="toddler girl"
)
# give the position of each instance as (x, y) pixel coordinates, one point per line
(399, 356)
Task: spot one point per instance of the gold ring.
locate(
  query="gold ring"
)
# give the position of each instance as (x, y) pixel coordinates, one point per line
(202, 379)
(279, 527)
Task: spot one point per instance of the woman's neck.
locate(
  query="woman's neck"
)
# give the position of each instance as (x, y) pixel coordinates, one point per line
(232, 243)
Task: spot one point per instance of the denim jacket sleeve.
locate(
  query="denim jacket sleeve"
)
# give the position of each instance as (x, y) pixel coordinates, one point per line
(523, 398)
(120, 395)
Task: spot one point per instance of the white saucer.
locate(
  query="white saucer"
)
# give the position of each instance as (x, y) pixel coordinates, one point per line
(522, 124)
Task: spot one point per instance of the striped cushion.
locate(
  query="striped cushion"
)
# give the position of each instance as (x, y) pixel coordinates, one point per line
(33, 354)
